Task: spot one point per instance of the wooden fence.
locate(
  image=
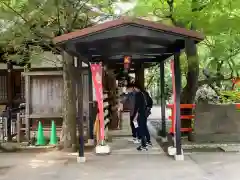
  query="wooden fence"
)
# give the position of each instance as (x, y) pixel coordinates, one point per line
(44, 98)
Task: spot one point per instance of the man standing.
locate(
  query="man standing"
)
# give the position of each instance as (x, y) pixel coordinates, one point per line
(140, 115)
(129, 101)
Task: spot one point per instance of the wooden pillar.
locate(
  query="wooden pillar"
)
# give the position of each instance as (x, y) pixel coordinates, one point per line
(80, 119)
(10, 84)
(139, 75)
(177, 78)
(27, 108)
(163, 101)
(91, 105)
(10, 98)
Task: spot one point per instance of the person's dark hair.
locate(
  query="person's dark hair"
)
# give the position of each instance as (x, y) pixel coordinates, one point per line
(138, 86)
(130, 85)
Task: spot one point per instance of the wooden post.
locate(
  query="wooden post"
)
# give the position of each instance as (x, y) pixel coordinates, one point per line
(9, 84)
(10, 99)
(163, 102)
(18, 128)
(139, 75)
(80, 109)
(177, 78)
(91, 115)
(27, 108)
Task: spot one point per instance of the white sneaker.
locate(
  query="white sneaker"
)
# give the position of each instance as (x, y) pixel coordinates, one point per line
(131, 139)
(136, 141)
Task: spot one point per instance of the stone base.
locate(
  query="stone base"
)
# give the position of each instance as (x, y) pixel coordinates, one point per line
(81, 159)
(172, 151)
(179, 157)
(103, 149)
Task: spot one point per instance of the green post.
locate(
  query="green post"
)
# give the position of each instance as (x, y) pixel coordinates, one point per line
(40, 136)
(53, 137)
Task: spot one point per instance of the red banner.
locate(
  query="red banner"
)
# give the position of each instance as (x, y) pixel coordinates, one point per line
(97, 81)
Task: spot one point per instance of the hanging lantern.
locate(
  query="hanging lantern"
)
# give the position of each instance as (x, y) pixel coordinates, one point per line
(127, 62)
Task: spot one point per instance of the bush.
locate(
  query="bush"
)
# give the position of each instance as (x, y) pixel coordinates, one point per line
(206, 94)
(230, 96)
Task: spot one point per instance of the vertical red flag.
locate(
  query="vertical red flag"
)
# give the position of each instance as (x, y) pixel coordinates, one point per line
(97, 81)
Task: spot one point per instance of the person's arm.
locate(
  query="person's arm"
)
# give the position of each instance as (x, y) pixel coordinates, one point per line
(150, 101)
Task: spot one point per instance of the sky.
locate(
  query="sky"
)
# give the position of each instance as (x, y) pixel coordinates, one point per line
(122, 8)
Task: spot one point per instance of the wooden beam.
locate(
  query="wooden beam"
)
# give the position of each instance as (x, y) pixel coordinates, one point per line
(42, 73)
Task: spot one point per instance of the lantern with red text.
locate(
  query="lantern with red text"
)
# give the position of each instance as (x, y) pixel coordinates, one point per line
(127, 62)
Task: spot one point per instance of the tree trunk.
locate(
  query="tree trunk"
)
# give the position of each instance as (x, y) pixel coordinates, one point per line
(189, 91)
(68, 133)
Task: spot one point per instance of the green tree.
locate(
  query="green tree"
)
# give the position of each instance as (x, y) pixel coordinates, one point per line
(217, 20)
(27, 30)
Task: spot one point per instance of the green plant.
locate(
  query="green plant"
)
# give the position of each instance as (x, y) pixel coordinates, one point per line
(230, 96)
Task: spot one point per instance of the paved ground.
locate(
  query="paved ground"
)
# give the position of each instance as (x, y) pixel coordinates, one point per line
(155, 117)
(197, 166)
(156, 112)
(125, 163)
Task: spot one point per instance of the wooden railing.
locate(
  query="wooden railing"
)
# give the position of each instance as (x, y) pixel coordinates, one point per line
(183, 117)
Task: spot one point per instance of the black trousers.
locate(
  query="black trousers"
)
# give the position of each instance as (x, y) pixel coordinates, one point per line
(143, 130)
(134, 130)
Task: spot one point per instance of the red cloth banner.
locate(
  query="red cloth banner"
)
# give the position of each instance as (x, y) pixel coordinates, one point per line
(97, 81)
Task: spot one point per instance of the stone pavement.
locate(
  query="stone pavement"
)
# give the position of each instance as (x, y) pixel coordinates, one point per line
(197, 166)
(124, 163)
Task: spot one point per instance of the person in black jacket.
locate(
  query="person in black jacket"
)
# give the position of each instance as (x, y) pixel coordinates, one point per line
(140, 116)
(129, 101)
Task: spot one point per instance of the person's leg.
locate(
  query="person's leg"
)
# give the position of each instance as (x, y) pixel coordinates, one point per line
(142, 134)
(134, 132)
(147, 133)
(148, 137)
(137, 132)
(135, 136)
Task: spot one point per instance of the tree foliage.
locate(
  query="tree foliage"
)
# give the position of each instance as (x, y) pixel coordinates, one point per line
(218, 20)
(29, 26)
(27, 30)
